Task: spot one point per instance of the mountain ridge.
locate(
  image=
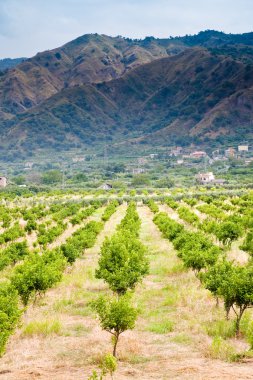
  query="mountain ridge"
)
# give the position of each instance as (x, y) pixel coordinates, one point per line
(151, 91)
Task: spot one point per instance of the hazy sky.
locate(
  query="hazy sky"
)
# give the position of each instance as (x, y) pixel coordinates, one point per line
(29, 26)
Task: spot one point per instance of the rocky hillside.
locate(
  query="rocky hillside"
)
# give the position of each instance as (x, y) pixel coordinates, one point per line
(192, 89)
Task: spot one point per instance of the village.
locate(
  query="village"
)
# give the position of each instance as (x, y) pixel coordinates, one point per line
(201, 166)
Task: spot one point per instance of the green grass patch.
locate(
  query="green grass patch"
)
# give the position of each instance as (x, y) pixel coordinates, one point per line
(224, 329)
(42, 328)
(181, 339)
(220, 349)
(161, 327)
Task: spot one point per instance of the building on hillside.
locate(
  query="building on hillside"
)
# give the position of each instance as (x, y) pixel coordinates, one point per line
(198, 154)
(28, 165)
(153, 155)
(138, 171)
(230, 152)
(105, 186)
(205, 177)
(176, 152)
(249, 161)
(3, 181)
(78, 159)
(243, 148)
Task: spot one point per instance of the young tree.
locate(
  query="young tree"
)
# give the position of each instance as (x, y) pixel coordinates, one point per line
(116, 315)
(122, 262)
(215, 277)
(238, 291)
(234, 284)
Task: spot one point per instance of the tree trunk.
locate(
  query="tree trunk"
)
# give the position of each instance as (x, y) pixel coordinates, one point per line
(238, 320)
(217, 302)
(227, 308)
(116, 339)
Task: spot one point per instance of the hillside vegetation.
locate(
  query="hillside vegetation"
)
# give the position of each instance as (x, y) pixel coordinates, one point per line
(163, 91)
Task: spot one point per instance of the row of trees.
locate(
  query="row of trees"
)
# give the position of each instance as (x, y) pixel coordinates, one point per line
(233, 284)
(226, 229)
(122, 265)
(12, 233)
(13, 253)
(110, 209)
(37, 273)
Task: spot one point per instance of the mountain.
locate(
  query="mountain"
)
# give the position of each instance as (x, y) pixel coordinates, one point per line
(192, 89)
(8, 63)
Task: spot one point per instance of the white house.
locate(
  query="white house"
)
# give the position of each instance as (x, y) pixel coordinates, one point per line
(243, 148)
(205, 177)
(106, 186)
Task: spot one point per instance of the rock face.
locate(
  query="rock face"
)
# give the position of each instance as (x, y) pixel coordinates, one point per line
(153, 91)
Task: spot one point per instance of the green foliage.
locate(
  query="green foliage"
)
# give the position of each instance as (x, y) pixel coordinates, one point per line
(48, 235)
(131, 222)
(116, 315)
(107, 365)
(11, 234)
(141, 180)
(228, 232)
(161, 327)
(190, 201)
(248, 243)
(37, 274)
(222, 350)
(212, 210)
(51, 177)
(188, 215)
(110, 209)
(82, 215)
(171, 203)
(196, 251)
(210, 226)
(234, 284)
(169, 227)
(9, 313)
(122, 262)
(82, 239)
(42, 328)
(152, 205)
(13, 253)
(19, 180)
(31, 225)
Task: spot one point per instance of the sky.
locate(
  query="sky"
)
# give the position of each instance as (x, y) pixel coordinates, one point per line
(30, 26)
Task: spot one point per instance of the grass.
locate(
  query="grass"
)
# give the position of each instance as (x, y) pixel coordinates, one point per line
(42, 328)
(161, 327)
(181, 339)
(78, 330)
(222, 328)
(220, 349)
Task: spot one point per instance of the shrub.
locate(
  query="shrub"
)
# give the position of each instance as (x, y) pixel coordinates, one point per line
(9, 313)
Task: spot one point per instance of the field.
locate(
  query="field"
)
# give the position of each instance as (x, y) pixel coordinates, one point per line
(194, 257)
